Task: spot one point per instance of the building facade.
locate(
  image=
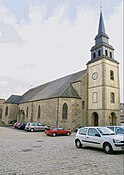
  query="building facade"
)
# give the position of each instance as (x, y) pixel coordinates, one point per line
(87, 97)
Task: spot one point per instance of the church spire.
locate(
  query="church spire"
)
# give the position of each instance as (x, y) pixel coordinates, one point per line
(102, 46)
(101, 24)
(101, 36)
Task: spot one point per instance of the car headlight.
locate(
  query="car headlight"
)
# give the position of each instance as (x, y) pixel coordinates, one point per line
(116, 141)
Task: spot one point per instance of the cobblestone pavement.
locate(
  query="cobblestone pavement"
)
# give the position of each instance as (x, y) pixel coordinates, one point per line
(26, 153)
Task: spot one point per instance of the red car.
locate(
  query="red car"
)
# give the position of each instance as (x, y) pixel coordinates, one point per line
(16, 124)
(57, 131)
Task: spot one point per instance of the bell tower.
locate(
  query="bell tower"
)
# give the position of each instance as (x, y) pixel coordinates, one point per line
(103, 81)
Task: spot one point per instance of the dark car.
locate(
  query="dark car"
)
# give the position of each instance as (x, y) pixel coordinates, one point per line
(21, 125)
(57, 131)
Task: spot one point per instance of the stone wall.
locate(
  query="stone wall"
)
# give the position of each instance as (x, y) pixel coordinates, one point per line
(12, 112)
(51, 112)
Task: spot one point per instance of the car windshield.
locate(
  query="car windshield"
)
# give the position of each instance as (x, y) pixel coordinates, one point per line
(105, 131)
(119, 130)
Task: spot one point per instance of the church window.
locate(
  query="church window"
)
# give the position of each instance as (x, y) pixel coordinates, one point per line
(65, 111)
(112, 97)
(27, 111)
(39, 111)
(111, 74)
(106, 52)
(94, 97)
(110, 54)
(6, 111)
(99, 52)
(83, 104)
(94, 55)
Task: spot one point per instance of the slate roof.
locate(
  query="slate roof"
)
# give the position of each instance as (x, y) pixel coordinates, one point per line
(13, 99)
(101, 28)
(102, 57)
(58, 88)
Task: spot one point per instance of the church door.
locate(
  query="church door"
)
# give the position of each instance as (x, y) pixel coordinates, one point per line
(95, 119)
(113, 118)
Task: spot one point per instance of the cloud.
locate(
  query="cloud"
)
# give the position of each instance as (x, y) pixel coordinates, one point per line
(3, 83)
(8, 33)
(20, 9)
(9, 86)
(27, 66)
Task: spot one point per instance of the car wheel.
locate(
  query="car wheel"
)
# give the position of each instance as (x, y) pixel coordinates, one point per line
(68, 133)
(107, 148)
(78, 144)
(32, 130)
(53, 134)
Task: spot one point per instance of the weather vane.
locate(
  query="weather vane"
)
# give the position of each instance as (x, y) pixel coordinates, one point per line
(101, 5)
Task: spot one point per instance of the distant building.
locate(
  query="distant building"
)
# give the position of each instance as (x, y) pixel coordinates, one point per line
(87, 97)
(1, 107)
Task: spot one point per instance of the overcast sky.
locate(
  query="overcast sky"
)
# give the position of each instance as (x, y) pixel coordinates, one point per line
(43, 40)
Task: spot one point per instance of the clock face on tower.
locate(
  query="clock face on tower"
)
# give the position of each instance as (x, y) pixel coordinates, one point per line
(94, 75)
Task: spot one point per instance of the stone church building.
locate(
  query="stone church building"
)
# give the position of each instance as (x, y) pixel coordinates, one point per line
(88, 97)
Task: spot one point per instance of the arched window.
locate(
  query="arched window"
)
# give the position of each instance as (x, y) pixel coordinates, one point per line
(83, 104)
(94, 55)
(94, 97)
(99, 52)
(111, 74)
(27, 111)
(106, 52)
(0, 113)
(65, 111)
(112, 97)
(110, 54)
(39, 111)
(6, 111)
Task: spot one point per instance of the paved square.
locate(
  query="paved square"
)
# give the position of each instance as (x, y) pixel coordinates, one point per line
(26, 153)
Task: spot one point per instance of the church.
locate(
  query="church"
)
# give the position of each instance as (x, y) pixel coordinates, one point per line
(90, 97)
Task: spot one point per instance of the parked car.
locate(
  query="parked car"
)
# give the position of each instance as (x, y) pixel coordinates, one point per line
(117, 129)
(57, 131)
(21, 125)
(78, 128)
(99, 137)
(35, 126)
(16, 124)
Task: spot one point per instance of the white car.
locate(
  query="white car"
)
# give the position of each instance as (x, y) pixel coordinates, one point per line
(99, 137)
(35, 126)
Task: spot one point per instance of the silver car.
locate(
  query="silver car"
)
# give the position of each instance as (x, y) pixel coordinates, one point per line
(117, 129)
(35, 126)
(99, 137)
